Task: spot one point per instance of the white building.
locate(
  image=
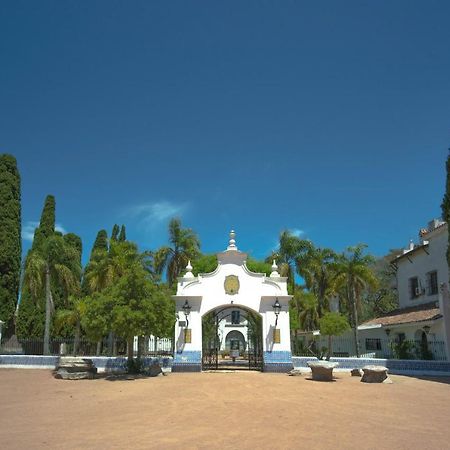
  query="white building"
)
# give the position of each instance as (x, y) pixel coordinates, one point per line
(233, 308)
(422, 285)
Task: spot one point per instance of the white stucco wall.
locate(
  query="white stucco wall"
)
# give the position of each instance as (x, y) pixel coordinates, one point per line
(418, 263)
(257, 292)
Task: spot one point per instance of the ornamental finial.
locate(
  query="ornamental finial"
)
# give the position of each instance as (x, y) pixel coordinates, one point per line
(232, 242)
(189, 273)
(274, 273)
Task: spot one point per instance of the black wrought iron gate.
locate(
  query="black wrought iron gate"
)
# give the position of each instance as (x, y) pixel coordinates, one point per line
(211, 342)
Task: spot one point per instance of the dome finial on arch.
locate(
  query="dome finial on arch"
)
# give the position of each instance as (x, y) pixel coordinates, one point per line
(232, 242)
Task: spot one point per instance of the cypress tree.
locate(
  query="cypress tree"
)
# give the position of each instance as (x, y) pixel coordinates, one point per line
(101, 242)
(10, 240)
(115, 232)
(47, 223)
(31, 316)
(123, 234)
(446, 205)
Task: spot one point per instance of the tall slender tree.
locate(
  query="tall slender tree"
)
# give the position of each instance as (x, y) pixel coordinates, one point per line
(122, 234)
(185, 246)
(290, 252)
(46, 226)
(355, 275)
(31, 312)
(115, 232)
(446, 204)
(316, 266)
(54, 260)
(10, 240)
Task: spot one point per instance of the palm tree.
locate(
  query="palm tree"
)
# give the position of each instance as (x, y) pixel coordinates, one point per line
(185, 245)
(105, 268)
(316, 267)
(354, 277)
(55, 261)
(290, 252)
(71, 316)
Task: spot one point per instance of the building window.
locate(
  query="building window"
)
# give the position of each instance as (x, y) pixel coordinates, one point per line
(414, 290)
(432, 283)
(373, 344)
(400, 338)
(235, 317)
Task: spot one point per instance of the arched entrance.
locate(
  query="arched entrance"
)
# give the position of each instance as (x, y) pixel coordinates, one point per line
(260, 300)
(232, 339)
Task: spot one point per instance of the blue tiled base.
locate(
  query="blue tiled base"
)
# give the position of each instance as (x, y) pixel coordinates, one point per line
(395, 366)
(277, 362)
(278, 368)
(187, 368)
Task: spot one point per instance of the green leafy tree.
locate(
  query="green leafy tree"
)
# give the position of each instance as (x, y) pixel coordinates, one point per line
(290, 251)
(10, 240)
(184, 246)
(317, 267)
(354, 277)
(384, 299)
(257, 266)
(71, 317)
(333, 324)
(204, 264)
(54, 260)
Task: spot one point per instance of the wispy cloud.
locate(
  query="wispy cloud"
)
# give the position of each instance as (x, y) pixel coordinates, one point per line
(154, 213)
(31, 225)
(276, 242)
(297, 232)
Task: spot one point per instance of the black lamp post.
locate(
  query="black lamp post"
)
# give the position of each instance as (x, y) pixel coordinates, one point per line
(276, 309)
(187, 309)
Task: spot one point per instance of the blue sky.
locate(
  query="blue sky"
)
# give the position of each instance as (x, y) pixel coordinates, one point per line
(328, 118)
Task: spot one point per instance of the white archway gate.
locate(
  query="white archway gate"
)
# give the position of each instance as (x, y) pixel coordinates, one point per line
(232, 283)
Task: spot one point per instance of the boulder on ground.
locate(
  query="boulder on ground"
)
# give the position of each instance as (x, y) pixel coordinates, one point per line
(295, 373)
(154, 370)
(356, 373)
(375, 374)
(322, 370)
(73, 368)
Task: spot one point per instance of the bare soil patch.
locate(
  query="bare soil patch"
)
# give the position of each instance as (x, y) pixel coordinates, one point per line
(241, 410)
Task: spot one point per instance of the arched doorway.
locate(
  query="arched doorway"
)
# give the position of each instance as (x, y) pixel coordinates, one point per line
(232, 339)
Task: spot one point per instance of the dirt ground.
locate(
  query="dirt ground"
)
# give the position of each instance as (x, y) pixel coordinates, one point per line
(241, 410)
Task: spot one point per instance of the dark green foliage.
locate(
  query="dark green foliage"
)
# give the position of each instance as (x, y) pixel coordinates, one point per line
(46, 226)
(10, 240)
(333, 324)
(101, 242)
(122, 234)
(446, 204)
(115, 232)
(204, 264)
(258, 266)
(384, 299)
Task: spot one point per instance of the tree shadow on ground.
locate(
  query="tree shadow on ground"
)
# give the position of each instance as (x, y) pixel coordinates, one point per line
(436, 379)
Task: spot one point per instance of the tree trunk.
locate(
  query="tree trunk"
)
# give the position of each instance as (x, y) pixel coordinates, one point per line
(355, 321)
(48, 311)
(99, 348)
(130, 350)
(140, 344)
(76, 341)
(330, 349)
(110, 343)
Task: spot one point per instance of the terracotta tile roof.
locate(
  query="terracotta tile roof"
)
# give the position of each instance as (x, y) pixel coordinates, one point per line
(419, 313)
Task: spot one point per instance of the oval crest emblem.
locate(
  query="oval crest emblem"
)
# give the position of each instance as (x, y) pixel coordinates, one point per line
(231, 284)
